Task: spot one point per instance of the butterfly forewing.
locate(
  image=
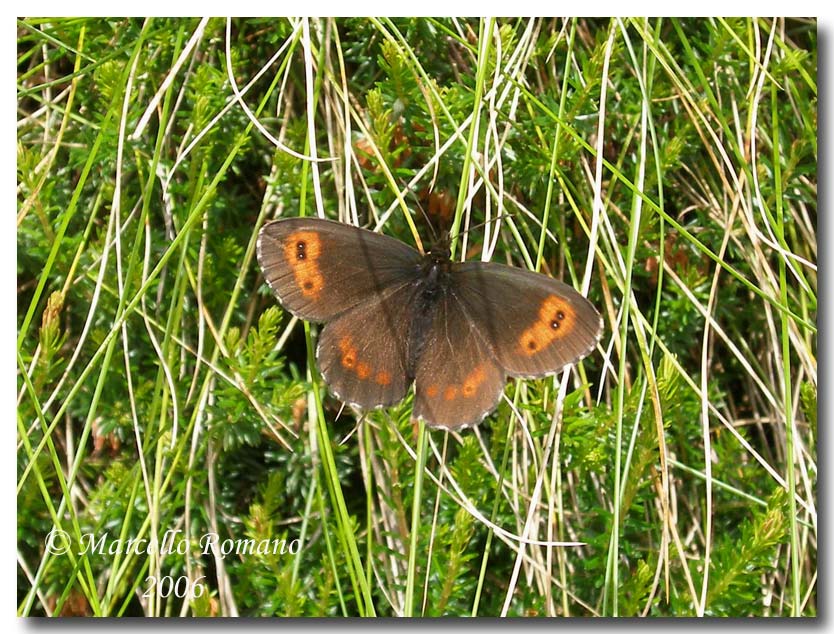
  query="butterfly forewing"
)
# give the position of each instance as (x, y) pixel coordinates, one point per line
(534, 324)
(319, 268)
(458, 381)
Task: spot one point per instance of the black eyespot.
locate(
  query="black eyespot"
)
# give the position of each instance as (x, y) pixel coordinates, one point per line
(560, 315)
(554, 325)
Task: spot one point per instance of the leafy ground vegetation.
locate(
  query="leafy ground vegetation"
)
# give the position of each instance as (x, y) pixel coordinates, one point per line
(666, 168)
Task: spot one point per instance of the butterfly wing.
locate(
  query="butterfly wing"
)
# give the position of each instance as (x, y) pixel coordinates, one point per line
(458, 380)
(320, 268)
(535, 325)
(363, 353)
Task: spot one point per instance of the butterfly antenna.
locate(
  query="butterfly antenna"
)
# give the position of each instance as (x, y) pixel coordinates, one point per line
(484, 223)
(427, 220)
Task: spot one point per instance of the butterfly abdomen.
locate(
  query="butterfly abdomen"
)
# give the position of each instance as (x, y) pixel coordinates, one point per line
(432, 284)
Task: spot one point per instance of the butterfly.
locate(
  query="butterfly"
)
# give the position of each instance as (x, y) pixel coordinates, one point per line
(394, 317)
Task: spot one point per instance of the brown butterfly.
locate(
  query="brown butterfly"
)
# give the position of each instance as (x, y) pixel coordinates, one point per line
(394, 316)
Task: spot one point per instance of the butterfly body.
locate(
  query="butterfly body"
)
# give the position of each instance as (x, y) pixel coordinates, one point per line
(395, 317)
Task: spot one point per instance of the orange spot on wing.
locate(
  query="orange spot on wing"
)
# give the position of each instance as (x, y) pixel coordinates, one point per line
(348, 353)
(473, 381)
(468, 388)
(350, 361)
(302, 250)
(555, 321)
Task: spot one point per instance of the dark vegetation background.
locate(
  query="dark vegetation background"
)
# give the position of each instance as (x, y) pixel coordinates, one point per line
(161, 388)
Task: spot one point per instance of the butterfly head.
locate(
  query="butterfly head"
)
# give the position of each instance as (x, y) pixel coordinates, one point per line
(440, 251)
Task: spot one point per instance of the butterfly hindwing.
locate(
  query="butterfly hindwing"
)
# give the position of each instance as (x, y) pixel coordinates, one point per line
(363, 353)
(319, 268)
(458, 381)
(534, 324)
